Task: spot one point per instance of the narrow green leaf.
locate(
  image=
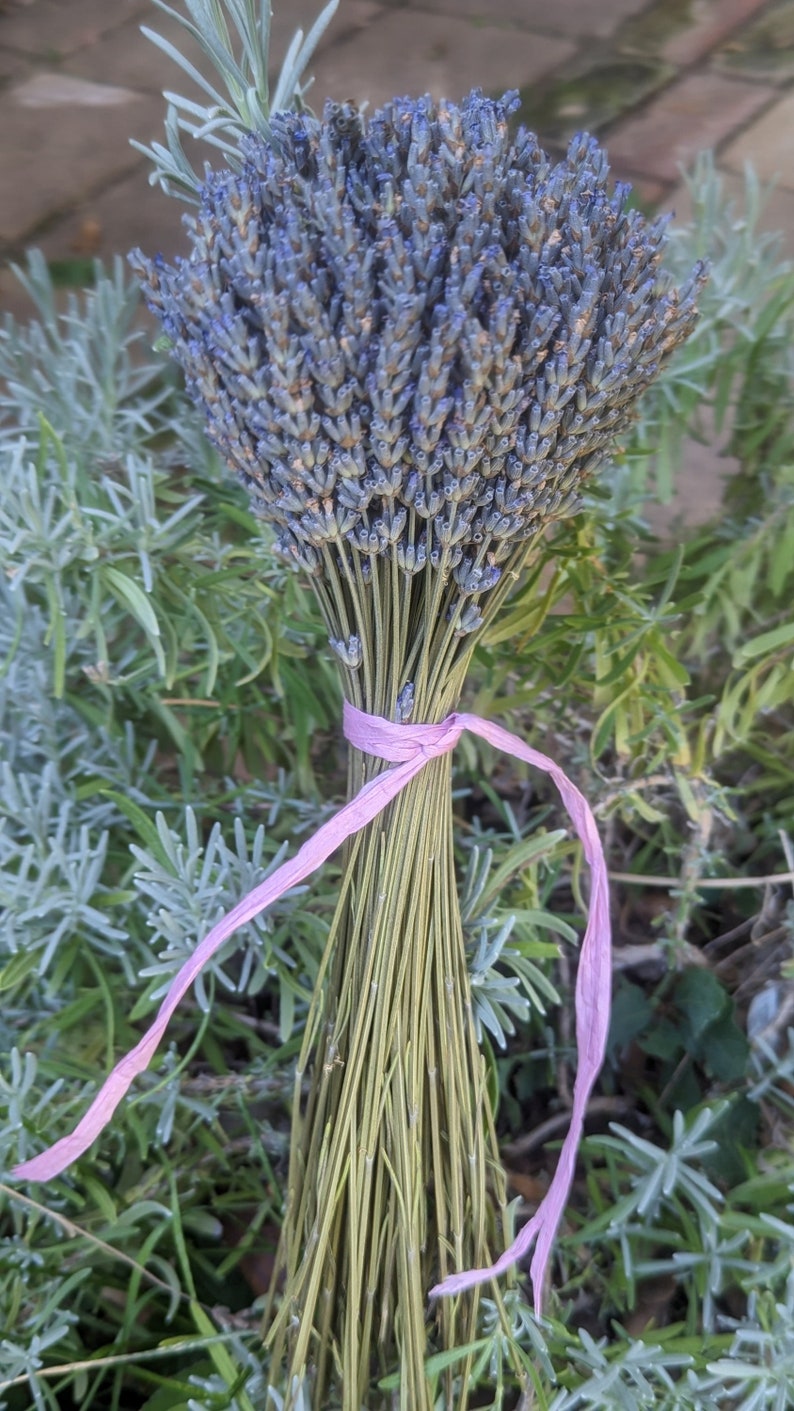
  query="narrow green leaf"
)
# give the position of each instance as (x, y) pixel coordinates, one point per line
(143, 825)
(133, 597)
(764, 644)
(18, 967)
(56, 634)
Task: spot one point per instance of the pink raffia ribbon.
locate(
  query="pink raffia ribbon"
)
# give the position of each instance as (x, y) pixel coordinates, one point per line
(408, 748)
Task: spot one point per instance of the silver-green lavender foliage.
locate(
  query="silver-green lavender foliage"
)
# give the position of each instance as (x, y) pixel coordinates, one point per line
(235, 37)
(417, 335)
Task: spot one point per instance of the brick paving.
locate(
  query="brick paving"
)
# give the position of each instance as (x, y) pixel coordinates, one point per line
(47, 157)
(439, 54)
(48, 29)
(707, 24)
(701, 110)
(657, 80)
(574, 19)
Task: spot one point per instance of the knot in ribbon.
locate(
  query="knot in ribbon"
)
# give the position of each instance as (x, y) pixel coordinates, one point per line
(408, 748)
(400, 744)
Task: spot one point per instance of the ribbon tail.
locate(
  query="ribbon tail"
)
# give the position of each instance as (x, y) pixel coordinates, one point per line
(593, 987)
(542, 1226)
(367, 804)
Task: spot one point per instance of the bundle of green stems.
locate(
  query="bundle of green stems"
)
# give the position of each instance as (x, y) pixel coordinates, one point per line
(395, 1178)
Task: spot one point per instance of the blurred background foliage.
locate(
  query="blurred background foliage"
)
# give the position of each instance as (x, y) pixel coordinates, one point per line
(169, 726)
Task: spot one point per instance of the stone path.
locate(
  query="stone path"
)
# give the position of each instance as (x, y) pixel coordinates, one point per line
(656, 79)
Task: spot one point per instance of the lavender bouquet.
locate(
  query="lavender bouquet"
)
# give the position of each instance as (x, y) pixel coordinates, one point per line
(415, 339)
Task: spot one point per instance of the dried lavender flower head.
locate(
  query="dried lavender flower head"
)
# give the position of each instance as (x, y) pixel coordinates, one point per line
(416, 335)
